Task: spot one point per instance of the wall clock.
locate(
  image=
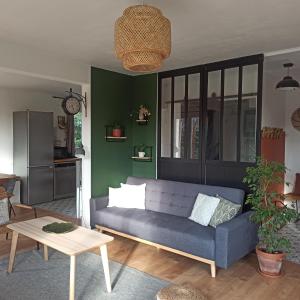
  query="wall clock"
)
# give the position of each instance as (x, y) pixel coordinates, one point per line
(71, 104)
(295, 119)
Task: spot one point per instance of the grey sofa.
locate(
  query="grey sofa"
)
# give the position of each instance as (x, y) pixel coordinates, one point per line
(165, 222)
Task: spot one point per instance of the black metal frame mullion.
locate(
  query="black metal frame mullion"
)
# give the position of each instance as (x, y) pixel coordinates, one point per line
(186, 121)
(159, 121)
(259, 105)
(172, 116)
(202, 120)
(221, 115)
(240, 91)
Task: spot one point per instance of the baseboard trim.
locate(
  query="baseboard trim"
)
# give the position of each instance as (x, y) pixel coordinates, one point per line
(212, 263)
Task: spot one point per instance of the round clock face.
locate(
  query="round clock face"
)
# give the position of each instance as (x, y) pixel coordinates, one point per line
(71, 106)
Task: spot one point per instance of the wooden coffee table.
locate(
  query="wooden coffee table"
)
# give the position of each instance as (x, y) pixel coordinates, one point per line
(72, 243)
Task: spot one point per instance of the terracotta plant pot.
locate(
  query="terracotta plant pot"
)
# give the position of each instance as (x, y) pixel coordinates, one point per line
(116, 132)
(269, 263)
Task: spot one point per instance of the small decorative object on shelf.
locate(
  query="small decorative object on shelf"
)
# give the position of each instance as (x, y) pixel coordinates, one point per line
(142, 153)
(142, 115)
(115, 132)
(56, 227)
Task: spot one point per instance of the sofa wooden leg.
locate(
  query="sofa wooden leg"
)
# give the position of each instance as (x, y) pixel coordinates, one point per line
(213, 269)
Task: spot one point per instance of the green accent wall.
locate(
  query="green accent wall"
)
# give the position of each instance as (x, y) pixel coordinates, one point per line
(111, 95)
(145, 92)
(114, 97)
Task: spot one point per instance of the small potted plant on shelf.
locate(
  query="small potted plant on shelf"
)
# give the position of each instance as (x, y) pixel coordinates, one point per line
(116, 130)
(270, 216)
(142, 114)
(141, 151)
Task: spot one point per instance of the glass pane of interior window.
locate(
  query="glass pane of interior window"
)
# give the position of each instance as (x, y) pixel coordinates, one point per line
(230, 114)
(213, 115)
(179, 117)
(166, 86)
(248, 113)
(193, 115)
(78, 130)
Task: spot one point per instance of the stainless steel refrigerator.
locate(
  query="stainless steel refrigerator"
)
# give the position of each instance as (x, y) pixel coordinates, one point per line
(33, 155)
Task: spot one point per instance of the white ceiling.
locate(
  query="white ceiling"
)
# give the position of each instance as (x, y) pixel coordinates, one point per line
(20, 81)
(202, 30)
(274, 64)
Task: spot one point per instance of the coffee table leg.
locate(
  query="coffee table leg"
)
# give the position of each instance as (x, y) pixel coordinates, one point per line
(45, 252)
(104, 257)
(13, 248)
(72, 277)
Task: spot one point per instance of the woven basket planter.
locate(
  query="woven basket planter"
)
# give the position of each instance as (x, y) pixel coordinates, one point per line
(142, 38)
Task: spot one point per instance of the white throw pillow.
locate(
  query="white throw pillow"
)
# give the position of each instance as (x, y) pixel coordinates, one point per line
(204, 209)
(115, 197)
(135, 195)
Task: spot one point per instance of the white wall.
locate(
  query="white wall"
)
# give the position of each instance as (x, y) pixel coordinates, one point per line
(19, 100)
(292, 140)
(278, 107)
(86, 160)
(273, 103)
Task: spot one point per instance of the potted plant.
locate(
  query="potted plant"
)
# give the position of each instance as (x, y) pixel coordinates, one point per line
(142, 114)
(270, 216)
(141, 151)
(116, 131)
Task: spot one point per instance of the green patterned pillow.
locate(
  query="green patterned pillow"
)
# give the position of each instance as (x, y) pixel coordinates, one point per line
(225, 211)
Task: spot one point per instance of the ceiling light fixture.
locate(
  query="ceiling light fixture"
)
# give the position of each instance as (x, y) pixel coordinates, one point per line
(288, 83)
(142, 38)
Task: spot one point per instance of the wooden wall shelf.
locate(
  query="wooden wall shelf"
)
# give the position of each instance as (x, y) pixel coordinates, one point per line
(109, 134)
(146, 158)
(142, 122)
(115, 138)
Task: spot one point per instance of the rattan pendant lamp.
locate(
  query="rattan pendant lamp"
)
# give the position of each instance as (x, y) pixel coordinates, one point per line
(142, 38)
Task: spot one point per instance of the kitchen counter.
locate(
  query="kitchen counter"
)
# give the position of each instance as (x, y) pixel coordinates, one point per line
(66, 160)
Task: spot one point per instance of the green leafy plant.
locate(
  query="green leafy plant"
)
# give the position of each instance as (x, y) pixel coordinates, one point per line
(262, 198)
(78, 130)
(116, 125)
(141, 148)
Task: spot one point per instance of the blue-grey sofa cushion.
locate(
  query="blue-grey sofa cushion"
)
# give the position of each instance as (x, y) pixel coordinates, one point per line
(172, 231)
(178, 198)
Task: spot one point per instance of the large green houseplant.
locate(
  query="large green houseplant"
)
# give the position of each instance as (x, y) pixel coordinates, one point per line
(270, 216)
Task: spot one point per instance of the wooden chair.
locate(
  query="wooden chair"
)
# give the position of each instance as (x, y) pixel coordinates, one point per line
(4, 195)
(9, 187)
(4, 215)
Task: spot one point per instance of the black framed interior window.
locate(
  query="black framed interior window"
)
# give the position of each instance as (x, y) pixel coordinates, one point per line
(209, 120)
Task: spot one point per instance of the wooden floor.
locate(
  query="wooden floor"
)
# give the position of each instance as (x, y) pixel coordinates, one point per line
(239, 282)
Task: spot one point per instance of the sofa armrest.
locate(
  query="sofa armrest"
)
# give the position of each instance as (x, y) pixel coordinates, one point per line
(97, 204)
(235, 239)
